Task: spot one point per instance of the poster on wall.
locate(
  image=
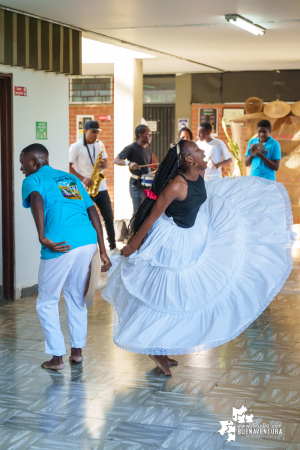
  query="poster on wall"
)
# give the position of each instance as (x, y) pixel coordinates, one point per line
(41, 131)
(209, 115)
(152, 125)
(183, 123)
(80, 121)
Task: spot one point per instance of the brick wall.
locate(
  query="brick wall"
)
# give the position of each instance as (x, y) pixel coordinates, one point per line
(221, 134)
(107, 134)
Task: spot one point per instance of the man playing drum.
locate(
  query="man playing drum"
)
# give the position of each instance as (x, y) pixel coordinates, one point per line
(135, 155)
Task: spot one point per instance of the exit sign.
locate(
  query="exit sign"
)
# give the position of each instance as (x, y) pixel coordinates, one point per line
(104, 118)
(21, 91)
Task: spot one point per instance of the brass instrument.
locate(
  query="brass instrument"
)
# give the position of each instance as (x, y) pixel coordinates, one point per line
(233, 147)
(97, 176)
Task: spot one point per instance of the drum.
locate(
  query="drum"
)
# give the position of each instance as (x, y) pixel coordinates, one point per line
(147, 180)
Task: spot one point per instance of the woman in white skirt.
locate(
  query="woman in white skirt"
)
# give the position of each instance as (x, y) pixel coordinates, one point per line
(203, 262)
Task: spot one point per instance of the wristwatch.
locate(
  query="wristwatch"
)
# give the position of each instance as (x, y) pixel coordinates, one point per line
(127, 162)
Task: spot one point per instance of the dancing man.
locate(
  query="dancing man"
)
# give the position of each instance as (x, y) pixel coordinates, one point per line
(197, 269)
(68, 228)
(135, 155)
(82, 157)
(217, 154)
(264, 165)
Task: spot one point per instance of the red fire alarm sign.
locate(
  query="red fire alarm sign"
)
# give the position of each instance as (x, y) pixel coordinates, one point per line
(22, 91)
(104, 118)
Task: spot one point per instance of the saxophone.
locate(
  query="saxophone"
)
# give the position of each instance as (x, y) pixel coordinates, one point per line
(97, 176)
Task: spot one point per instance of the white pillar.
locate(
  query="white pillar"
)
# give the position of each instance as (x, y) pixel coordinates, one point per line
(128, 111)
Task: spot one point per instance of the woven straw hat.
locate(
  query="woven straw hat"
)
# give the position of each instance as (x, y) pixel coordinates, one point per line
(253, 105)
(296, 108)
(92, 278)
(277, 109)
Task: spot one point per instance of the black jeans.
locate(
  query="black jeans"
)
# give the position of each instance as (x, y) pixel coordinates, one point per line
(136, 193)
(102, 200)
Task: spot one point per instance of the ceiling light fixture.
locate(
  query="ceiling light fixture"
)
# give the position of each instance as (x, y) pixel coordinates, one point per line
(240, 22)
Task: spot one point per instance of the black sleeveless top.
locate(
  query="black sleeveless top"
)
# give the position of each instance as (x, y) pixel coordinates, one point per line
(184, 212)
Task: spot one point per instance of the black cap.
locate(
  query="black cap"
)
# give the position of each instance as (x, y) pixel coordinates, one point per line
(92, 125)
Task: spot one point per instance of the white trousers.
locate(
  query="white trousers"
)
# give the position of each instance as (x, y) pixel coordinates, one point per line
(68, 272)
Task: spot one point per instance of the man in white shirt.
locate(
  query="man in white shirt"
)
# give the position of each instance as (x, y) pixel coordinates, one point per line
(216, 152)
(82, 156)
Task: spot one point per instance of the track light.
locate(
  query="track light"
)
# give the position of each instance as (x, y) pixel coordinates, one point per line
(239, 21)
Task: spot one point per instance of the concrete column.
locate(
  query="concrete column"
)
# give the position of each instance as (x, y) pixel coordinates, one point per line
(128, 112)
(183, 107)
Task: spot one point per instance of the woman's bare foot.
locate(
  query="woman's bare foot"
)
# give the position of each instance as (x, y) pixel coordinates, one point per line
(76, 355)
(162, 363)
(172, 362)
(56, 363)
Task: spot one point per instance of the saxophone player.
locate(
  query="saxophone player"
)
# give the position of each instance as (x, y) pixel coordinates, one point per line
(82, 157)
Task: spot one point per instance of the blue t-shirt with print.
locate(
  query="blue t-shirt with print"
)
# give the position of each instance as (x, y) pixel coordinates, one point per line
(258, 167)
(65, 204)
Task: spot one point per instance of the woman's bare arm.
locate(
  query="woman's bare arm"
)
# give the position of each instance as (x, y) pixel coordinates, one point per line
(172, 191)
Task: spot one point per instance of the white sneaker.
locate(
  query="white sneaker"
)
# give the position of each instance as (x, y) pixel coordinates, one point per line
(114, 252)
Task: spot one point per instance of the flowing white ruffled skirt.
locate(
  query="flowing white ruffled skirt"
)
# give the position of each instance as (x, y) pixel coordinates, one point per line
(188, 290)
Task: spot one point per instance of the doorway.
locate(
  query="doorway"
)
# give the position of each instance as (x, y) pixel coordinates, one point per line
(163, 117)
(7, 194)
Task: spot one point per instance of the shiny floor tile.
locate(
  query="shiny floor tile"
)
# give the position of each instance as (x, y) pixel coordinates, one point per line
(284, 382)
(15, 368)
(6, 413)
(244, 443)
(160, 416)
(233, 390)
(172, 399)
(239, 377)
(296, 436)
(285, 430)
(212, 361)
(143, 381)
(11, 439)
(220, 405)
(94, 376)
(204, 422)
(98, 409)
(46, 442)
(122, 394)
(42, 423)
(185, 386)
(193, 440)
(140, 433)
(57, 404)
(262, 366)
(17, 400)
(267, 410)
(83, 427)
(200, 373)
(281, 396)
(264, 355)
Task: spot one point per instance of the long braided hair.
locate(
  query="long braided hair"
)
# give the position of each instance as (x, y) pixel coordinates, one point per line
(167, 170)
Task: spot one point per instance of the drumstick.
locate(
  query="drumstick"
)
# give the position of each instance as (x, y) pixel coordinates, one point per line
(148, 165)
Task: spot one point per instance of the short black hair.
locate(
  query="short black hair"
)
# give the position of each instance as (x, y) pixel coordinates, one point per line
(140, 129)
(207, 126)
(36, 148)
(188, 130)
(265, 124)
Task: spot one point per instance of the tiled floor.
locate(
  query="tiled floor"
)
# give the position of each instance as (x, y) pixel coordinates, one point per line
(118, 400)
